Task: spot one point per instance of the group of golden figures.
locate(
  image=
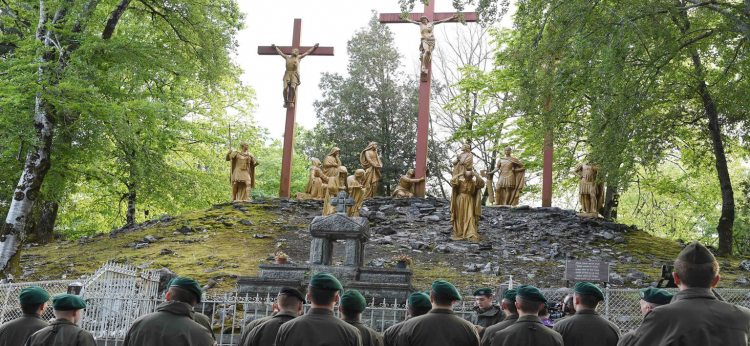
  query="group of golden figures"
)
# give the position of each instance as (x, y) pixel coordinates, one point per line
(330, 177)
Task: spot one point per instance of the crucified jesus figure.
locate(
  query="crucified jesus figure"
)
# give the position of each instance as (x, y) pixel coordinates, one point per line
(291, 76)
(427, 29)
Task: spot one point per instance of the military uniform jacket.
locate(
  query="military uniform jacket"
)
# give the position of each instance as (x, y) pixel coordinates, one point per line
(318, 327)
(491, 331)
(626, 338)
(390, 334)
(369, 336)
(694, 317)
(61, 332)
(171, 325)
(254, 323)
(587, 328)
(527, 331)
(491, 317)
(16, 332)
(439, 327)
(204, 321)
(265, 333)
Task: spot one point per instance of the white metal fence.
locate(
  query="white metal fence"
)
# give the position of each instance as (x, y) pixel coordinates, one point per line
(116, 295)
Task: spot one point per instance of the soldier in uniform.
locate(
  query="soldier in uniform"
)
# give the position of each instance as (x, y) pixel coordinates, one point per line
(173, 322)
(651, 298)
(586, 327)
(417, 305)
(352, 306)
(440, 326)
(528, 329)
(695, 316)
(68, 309)
(319, 326)
(33, 301)
(510, 310)
(290, 302)
(205, 321)
(486, 313)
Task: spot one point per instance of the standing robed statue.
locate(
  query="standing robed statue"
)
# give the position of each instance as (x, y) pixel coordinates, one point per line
(590, 192)
(466, 205)
(336, 175)
(372, 165)
(242, 177)
(510, 181)
(464, 161)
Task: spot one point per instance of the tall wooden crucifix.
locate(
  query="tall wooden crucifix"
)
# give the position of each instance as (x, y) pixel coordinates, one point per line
(423, 120)
(292, 54)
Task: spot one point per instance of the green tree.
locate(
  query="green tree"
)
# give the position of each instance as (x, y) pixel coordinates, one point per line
(374, 103)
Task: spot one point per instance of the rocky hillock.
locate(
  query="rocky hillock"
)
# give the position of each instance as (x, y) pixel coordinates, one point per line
(229, 240)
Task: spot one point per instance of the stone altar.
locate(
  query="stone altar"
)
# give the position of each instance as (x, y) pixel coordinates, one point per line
(378, 283)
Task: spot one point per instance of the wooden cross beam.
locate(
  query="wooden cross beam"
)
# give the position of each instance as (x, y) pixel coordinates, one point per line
(341, 202)
(291, 113)
(423, 119)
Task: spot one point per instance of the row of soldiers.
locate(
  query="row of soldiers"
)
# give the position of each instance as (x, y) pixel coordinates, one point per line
(693, 316)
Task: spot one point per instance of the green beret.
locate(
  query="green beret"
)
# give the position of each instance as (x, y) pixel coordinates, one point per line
(325, 281)
(33, 295)
(510, 295)
(420, 300)
(445, 289)
(696, 253)
(290, 291)
(483, 291)
(67, 302)
(531, 293)
(588, 288)
(187, 284)
(353, 300)
(656, 295)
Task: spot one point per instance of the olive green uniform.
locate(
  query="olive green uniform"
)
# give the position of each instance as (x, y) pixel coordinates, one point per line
(439, 327)
(587, 328)
(61, 332)
(204, 321)
(318, 327)
(626, 338)
(254, 323)
(491, 331)
(694, 317)
(527, 331)
(16, 332)
(369, 336)
(390, 334)
(265, 333)
(489, 317)
(171, 325)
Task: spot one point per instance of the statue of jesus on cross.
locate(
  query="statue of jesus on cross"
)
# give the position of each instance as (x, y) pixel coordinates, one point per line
(427, 29)
(291, 76)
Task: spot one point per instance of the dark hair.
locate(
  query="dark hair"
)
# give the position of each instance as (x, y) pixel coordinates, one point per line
(349, 312)
(183, 295)
(588, 301)
(511, 306)
(696, 275)
(441, 299)
(321, 296)
(419, 311)
(543, 311)
(529, 306)
(288, 302)
(31, 308)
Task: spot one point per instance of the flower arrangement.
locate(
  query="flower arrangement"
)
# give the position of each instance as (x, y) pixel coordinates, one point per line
(403, 258)
(281, 257)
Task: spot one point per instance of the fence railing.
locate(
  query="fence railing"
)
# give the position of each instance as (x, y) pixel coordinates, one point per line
(116, 295)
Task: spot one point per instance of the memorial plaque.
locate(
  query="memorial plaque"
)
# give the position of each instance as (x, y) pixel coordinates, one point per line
(593, 271)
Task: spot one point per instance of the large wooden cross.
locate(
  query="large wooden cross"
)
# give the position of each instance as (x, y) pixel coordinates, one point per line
(423, 120)
(291, 112)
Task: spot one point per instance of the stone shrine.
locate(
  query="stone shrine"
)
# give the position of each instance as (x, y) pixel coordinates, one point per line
(377, 283)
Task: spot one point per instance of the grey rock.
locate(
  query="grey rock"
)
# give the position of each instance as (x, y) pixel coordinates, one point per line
(616, 279)
(619, 240)
(745, 265)
(607, 235)
(185, 229)
(165, 275)
(247, 223)
(743, 281)
(260, 235)
(441, 249)
(635, 276)
(149, 239)
(432, 218)
(166, 252)
(385, 230)
(141, 246)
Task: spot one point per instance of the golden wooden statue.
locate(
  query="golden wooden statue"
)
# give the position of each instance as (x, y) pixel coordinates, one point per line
(427, 45)
(371, 165)
(464, 161)
(466, 205)
(591, 194)
(242, 177)
(356, 189)
(316, 184)
(510, 181)
(291, 76)
(406, 185)
(333, 170)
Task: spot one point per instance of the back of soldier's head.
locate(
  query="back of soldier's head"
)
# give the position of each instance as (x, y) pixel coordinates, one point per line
(182, 295)
(322, 296)
(288, 302)
(696, 266)
(587, 301)
(529, 306)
